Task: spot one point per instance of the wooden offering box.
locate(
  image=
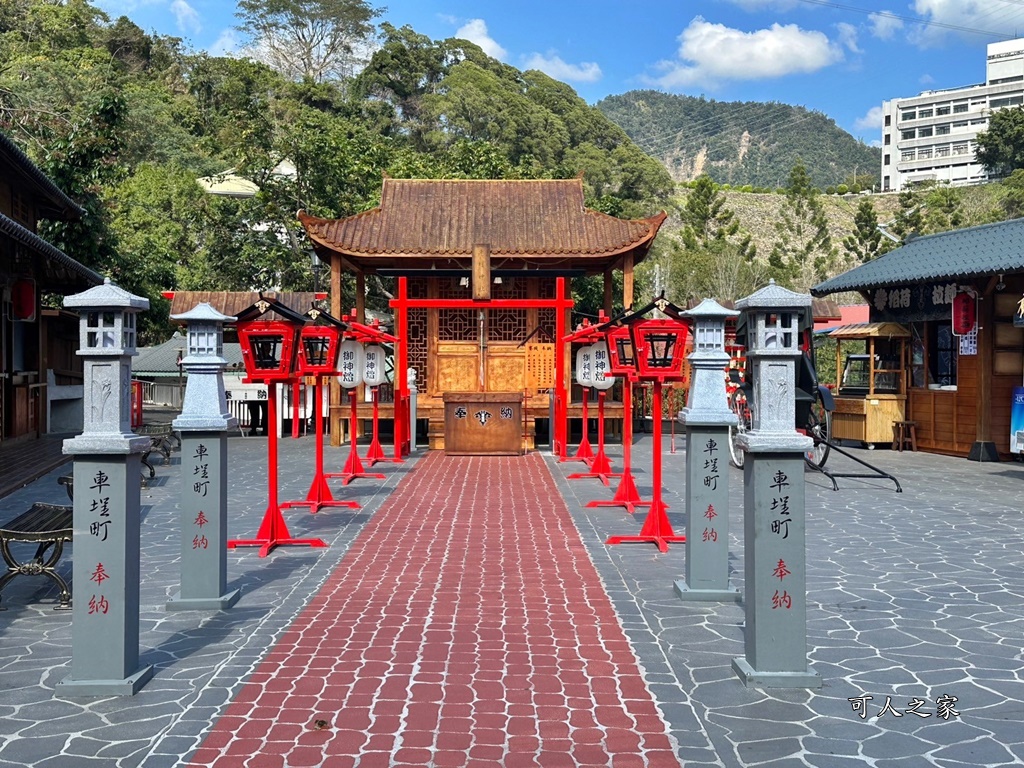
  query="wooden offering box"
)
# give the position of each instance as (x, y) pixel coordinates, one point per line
(483, 423)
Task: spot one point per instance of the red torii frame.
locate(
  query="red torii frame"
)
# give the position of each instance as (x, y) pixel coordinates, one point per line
(402, 304)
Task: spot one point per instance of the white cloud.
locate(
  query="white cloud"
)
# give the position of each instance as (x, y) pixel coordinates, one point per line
(552, 64)
(884, 25)
(848, 37)
(710, 53)
(926, 79)
(872, 120)
(226, 44)
(475, 30)
(186, 16)
(972, 14)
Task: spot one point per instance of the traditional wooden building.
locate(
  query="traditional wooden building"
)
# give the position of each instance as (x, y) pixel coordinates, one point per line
(35, 345)
(526, 235)
(961, 385)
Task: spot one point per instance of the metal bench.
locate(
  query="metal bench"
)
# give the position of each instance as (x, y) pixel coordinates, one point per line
(161, 440)
(48, 525)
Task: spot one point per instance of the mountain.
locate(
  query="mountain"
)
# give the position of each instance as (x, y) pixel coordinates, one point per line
(740, 143)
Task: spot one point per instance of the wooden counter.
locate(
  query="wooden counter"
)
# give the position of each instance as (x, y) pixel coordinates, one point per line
(483, 423)
(867, 419)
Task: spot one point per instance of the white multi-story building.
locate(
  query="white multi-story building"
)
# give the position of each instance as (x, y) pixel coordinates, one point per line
(932, 136)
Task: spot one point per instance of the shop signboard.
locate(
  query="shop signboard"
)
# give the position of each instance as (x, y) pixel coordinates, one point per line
(1017, 421)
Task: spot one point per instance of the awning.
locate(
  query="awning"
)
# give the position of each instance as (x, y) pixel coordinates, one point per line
(869, 330)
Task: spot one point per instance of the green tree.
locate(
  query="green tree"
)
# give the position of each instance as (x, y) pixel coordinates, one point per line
(313, 40)
(910, 215)
(1001, 147)
(1013, 201)
(707, 220)
(802, 254)
(865, 242)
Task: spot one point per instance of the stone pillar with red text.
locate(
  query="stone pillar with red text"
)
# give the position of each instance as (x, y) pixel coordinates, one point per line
(707, 419)
(774, 561)
(107, 465)
(203, 424)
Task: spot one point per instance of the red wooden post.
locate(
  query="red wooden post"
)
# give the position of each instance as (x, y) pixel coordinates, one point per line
(273, 531)
(656, 528)
(353, 465)
(375, 453)
(600, 467)
(319, 491)
(626, 495)
(561, 394)
(401, 384)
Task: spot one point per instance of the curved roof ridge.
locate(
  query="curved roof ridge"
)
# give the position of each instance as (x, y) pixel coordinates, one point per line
(62, 202)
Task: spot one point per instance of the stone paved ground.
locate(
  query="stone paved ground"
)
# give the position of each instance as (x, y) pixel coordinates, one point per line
(913, 595)
(466, 626)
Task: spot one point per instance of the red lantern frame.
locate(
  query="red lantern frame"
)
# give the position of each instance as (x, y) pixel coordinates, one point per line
(261, 367)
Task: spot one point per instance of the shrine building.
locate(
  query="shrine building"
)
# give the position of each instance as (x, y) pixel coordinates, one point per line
(479, 264)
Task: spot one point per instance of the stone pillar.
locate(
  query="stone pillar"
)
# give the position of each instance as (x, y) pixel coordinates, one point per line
(107, 461)
(774, 560)
(204, 423)
(707, 419)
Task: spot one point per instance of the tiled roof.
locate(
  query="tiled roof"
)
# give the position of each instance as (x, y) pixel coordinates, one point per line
(51, 266)
(60, 205)
(447, 217)
(989, 249)
(162, 359)
(232, 302)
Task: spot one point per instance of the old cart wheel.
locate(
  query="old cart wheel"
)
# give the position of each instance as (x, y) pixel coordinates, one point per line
(819, 428)
(738, 405)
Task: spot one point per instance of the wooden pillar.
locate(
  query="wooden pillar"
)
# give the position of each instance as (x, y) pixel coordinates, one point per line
(609, 285)
(627, 280)
(334, 412)
(984, 448)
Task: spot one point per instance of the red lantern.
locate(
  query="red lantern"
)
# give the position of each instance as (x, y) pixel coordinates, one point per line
(23, 299)
(620, 352)
(964, 313)
(660, 347)
(318, 349)
(268, 349)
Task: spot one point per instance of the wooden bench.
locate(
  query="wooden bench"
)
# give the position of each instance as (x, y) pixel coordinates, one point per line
(48, 525)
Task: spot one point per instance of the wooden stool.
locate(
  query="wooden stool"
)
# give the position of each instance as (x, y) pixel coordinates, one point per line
(904, 433)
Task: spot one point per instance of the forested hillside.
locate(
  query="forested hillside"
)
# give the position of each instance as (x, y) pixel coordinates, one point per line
(741, 143)
(127, 123)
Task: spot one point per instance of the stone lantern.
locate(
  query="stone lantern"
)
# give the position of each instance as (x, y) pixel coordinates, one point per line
(205, 405)
(105, 621)
(204, 423)
(775, 573)
(707, 419)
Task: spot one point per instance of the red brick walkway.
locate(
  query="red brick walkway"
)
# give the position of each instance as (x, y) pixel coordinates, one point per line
(465, 627)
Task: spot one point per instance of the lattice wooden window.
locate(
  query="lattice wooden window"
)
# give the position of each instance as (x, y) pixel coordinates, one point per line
(510, 288)
(417, 346)
(449, 288)
(417, 288)
(457, 325)
(506, 325)
(546, 321)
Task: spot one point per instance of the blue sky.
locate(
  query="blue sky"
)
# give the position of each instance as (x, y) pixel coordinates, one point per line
(839, 57)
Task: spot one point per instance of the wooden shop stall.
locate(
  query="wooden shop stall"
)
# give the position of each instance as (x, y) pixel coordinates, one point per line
(871, 393)
(483, 287)
(959, 294)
